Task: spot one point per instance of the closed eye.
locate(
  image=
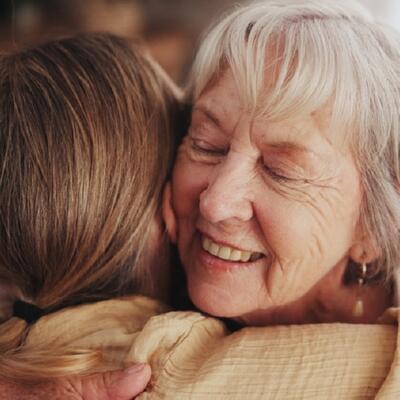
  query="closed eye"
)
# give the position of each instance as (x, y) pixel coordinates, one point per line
(205, 148)
(277, 175)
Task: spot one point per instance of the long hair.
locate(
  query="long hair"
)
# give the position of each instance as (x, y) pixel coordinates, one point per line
(86, 144)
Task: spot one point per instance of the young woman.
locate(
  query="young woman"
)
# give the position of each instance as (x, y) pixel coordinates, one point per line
(86, 145)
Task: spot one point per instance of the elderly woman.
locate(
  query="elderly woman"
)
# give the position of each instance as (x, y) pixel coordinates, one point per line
(290, 169)
(285, 209)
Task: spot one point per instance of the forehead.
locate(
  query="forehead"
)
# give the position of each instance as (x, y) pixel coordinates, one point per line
(222, 103)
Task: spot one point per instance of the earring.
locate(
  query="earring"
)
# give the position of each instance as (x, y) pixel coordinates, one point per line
(358, 309)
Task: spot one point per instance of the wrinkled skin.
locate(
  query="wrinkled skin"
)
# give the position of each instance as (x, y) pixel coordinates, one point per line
(289, 190)
(117, 385)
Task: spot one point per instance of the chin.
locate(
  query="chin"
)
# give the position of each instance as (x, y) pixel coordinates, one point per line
(214, 303)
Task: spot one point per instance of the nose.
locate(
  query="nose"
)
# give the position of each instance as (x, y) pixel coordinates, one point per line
(228, 194)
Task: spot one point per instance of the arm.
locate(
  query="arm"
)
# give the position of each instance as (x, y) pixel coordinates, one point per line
(117, 385)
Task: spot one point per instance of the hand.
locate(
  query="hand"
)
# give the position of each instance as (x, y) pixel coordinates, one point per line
(116, 385)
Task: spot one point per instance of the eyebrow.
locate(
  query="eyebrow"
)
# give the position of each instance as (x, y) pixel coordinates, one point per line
(282, 145)
(285, 145)
(209, 114)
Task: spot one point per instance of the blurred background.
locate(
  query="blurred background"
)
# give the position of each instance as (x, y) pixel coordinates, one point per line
(169, 28)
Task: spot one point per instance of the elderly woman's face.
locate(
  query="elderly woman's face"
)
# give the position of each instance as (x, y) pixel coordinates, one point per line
(264, 210)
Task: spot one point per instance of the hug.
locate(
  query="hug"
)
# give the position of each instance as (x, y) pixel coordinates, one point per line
(282, 200)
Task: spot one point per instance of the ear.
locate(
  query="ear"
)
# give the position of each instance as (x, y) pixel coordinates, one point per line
(364, 248)
(168, 213)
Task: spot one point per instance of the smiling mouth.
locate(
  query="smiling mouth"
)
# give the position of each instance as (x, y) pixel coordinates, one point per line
(227, 253)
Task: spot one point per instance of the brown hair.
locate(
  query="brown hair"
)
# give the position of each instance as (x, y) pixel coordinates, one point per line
(86, 144)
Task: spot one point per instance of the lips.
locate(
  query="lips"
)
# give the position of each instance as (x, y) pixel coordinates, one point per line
(227, 253)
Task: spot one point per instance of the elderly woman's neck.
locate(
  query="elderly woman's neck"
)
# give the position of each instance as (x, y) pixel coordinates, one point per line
(330, 300)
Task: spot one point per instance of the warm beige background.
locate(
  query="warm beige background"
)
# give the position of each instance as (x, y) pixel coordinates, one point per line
(170, 28)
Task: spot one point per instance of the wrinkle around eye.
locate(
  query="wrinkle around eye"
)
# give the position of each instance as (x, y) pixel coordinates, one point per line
(285, 170)
(298, 192)
(279, 181)
(302, 183)
(201, 150)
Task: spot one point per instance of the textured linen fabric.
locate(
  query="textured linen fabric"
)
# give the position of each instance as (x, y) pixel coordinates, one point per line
(195, 357)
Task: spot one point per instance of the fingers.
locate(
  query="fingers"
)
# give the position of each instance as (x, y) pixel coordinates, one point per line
(116, 385)
(128, 384)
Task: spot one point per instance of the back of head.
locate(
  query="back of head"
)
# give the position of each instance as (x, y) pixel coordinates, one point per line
(296, 56)
(86, 144)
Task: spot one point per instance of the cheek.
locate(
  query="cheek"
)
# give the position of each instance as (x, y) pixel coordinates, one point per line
(188, 182)
(309, 228)
(306, 236)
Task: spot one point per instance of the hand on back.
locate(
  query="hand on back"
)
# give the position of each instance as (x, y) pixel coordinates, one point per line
(116, 385)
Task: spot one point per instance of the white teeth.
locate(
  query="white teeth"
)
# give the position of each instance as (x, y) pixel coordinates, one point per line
(206, 244)
(214, 249)
(245, 256)
(228, 253)
(236, 255)
(224, 253)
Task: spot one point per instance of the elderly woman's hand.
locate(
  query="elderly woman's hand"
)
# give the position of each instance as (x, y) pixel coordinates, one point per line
(116, 385)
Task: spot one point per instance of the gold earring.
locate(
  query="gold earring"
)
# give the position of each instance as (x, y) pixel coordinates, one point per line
(358, 308)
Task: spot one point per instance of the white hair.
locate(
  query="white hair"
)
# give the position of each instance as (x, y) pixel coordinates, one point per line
(321, 52)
